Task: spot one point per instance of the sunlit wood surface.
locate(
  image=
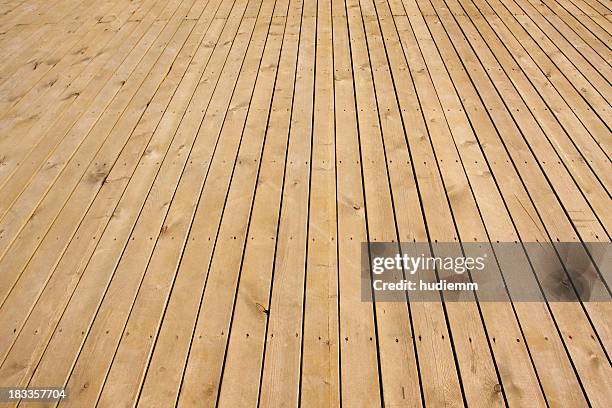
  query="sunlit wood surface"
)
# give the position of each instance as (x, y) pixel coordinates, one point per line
(185, 185)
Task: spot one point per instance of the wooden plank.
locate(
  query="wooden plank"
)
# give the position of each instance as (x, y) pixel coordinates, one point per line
(171, 353)
(559, 229)
(59, 235)
(439, 374)
(576, 104)
(240, 377)
(101, 148)
(320, 376)
(477, 369)
(27, 13)
(40, 136)
(26, 80)
(597, 26)
(583, 31)
(77, 255)
(173, 339)
(594, 11)
(548, 157)
(30, 191)
(138, 322)
(567, 136)
(551, 59)
(44, 39)
(30, 45)
(534, 18)
(503, 325)
(281, 365)
(597, 7)
(596, 60)
(359, 363)
(9, 6)
(569, 99)
(515, 200)
(207, 70)
(188, 190)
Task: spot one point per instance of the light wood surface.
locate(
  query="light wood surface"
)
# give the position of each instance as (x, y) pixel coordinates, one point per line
(185, 186)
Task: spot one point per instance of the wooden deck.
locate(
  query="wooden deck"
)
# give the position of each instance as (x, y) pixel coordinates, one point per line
(185, 186)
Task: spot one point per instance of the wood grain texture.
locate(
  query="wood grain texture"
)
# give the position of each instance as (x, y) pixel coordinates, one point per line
(185, 187)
